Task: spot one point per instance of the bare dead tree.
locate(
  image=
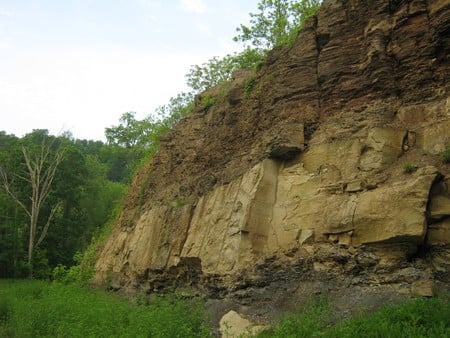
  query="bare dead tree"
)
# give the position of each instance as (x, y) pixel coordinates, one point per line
(41, 169)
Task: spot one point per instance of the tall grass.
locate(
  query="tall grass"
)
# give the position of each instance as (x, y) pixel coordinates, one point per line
(420, 317)
(40, 309)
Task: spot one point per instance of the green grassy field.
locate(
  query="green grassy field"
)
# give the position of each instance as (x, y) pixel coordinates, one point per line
(39, 309)
(42, 309)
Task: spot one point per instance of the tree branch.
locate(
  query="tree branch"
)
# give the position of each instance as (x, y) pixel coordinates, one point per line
(7, 188)
(46, 226)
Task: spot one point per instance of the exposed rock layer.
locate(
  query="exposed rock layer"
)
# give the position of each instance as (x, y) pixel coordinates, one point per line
(301, 179)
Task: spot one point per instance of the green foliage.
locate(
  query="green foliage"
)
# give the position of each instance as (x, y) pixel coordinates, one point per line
(180, 202)
(81, 188)
(77, 274)
(84, 268)
(276, 23)
(445, 154)
(133, 141)
(207, 101)
(421, 317)
(177, 108)
(219, 70)
(249, 84)
(409, 167)
(215, 71)
(39, 309)
(308, 322)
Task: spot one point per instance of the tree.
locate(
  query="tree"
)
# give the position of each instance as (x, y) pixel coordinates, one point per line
(219, 70)
(41, 165)
(277, 22)
(177, 108)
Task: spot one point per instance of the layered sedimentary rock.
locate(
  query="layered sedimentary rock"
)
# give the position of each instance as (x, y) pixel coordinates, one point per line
(327, 168)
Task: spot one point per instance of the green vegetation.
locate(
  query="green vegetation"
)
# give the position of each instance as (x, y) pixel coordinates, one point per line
(445, 154)
(421, 317)
(219, 70)
(308, 323)
(409, 167)
(39, 309)
(249, 84)
(181, 202)
(86, 187)
(207, 101)
(276, 23)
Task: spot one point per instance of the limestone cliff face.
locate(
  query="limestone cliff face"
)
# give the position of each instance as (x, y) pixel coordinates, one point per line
(299, 178)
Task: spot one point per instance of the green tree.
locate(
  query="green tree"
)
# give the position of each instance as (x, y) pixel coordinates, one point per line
(41, 165)
(276, 23)
(133, 140)
(219, 70)
(11, 218)
(169, 114)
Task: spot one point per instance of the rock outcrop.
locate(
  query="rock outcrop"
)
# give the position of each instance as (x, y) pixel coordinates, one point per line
(323, 174)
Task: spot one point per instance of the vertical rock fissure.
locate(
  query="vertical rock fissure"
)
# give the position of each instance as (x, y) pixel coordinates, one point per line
(186, 232)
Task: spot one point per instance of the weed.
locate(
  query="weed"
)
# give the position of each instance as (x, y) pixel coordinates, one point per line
(73, 311)
(259, 91)
(5, 309)
(409, 167)
(180, 202)
(249, 84)
(421, 317)
(223, 91)
(207, 101)
(258, 65)
(307, 322)
(445, 154)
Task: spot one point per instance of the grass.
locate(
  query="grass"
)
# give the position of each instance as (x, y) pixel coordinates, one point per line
(207, 101)
(421, 317)
(409, 167)
(40, 309)
(249, 84)
(445, 154)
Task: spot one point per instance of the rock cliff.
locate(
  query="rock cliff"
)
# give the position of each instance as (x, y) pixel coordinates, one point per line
(319, 172)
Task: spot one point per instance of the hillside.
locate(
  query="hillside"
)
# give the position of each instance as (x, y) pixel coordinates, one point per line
(318, 173)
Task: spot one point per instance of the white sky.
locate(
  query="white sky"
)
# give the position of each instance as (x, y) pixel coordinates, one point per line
(78, 65)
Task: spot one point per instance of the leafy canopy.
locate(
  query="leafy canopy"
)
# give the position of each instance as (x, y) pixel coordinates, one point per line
(276, 23)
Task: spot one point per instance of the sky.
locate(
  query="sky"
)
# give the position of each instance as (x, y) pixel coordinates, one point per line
(78, 65)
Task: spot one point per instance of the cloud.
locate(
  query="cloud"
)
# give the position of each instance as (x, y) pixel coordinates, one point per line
(194, 6)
